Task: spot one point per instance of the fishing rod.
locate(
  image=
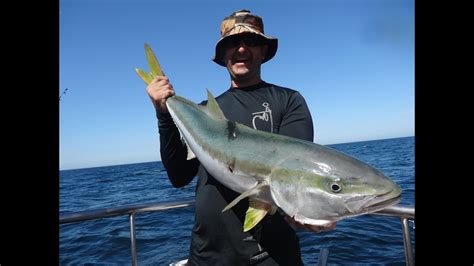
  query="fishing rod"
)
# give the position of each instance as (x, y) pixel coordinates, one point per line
(64, 92)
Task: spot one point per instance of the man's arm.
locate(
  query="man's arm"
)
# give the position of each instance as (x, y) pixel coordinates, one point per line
(174, 152)
(297, 121)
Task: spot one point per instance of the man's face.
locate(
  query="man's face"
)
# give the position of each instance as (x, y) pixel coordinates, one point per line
(243, 56)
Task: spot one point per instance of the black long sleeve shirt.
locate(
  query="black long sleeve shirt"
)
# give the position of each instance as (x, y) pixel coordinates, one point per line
(218, 238)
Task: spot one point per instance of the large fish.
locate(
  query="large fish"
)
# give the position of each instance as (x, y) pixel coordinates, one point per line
(311, 183)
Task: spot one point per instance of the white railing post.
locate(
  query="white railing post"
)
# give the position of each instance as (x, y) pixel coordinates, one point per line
(132, 239)
(407, 242)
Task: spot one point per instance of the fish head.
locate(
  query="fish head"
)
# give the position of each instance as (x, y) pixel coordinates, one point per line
(362, 193)
(321, 192)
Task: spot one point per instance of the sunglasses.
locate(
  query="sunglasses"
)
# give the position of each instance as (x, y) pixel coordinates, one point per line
(249, 41)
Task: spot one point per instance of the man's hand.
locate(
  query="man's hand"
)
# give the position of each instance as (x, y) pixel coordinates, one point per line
(311, 227)
(159, 90)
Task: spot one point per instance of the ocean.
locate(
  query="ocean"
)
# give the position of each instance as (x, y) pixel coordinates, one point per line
(163, 237)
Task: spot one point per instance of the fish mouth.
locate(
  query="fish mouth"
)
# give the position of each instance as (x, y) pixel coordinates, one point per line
(364, 204)
(384, 200)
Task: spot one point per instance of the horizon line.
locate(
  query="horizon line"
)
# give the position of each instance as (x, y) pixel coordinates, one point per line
(110, 165)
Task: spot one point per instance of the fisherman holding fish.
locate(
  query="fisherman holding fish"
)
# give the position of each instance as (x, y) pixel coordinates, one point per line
(217, 237)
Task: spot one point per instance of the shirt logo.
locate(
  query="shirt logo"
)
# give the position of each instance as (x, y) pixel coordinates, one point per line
(265, 115)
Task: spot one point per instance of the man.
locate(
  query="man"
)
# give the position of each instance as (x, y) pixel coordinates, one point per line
(218, 237)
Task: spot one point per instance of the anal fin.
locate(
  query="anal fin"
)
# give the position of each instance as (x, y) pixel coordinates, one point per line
(255, 213)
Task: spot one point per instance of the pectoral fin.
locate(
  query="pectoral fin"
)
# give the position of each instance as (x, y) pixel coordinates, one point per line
(255, 213)
(248, 193)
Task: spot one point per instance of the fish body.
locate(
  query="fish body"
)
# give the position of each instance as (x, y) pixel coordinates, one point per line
(312, 183)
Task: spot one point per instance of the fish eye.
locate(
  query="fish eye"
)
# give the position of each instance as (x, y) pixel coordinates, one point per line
(335, 187)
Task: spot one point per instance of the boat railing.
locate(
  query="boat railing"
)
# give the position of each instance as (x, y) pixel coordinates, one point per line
(405, 213)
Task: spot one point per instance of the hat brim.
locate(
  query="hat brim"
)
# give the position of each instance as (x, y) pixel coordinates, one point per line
(271, 42)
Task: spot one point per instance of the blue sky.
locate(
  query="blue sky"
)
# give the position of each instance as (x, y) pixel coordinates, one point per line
(352, 60)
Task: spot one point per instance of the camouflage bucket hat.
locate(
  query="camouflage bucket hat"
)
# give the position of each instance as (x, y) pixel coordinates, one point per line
(241, 22)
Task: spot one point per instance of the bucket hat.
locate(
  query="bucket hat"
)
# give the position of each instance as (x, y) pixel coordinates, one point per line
(243, 22)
